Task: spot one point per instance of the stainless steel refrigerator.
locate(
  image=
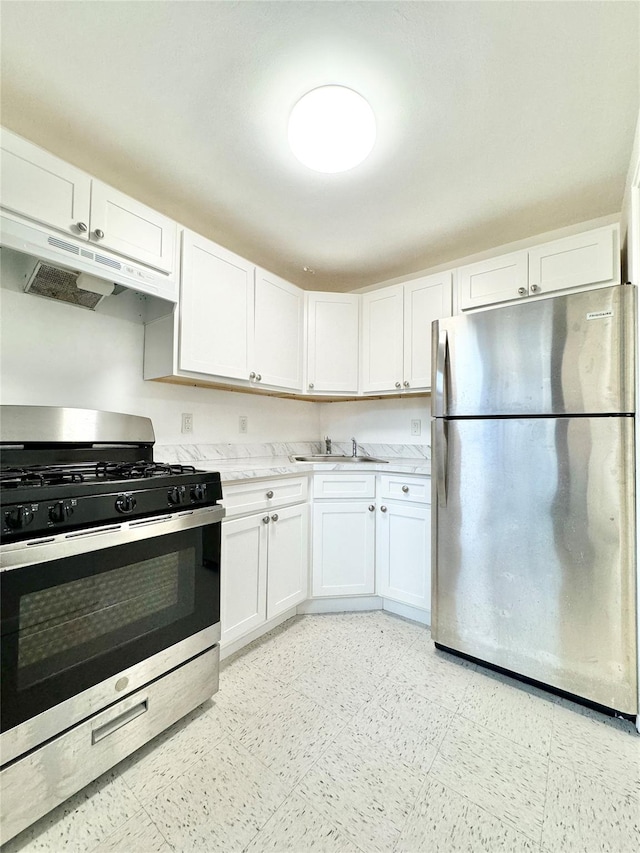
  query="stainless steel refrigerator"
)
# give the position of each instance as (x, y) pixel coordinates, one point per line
(533, 546)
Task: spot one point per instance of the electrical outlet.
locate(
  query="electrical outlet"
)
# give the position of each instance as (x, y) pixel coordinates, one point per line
(187, 422)
(243, 423)
(416, 426)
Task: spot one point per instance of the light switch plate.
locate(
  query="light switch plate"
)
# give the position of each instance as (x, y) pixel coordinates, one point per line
(416, 426)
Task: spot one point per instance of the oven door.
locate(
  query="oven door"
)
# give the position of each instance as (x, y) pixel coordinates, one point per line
(79, 608)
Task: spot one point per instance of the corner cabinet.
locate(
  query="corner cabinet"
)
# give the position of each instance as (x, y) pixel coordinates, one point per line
(590, 259)
(265, 554)
(396, 333)
(41, 187)
(332, 342)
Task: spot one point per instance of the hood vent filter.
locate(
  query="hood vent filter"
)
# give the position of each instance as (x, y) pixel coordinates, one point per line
(63, 285)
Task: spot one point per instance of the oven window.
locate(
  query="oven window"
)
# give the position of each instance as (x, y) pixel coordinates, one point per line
(67, 624)
(70, 623)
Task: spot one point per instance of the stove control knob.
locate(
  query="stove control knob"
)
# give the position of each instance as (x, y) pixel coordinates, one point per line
(198, 493)
(19, 517)
(59, 512)
(125, 503)
(176, 495)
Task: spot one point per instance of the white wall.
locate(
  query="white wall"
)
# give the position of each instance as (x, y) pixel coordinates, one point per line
(377, 421)
(55, 354)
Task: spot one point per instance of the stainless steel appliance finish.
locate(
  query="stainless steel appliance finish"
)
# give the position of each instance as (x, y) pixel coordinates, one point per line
(110, 607)
(64, 765)
(533, 546)
(29, 424)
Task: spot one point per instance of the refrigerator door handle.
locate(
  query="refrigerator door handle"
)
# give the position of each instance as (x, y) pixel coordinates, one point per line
(442, 452)
(440, 403)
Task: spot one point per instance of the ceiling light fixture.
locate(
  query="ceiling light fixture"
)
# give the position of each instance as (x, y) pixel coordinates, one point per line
(332, 129)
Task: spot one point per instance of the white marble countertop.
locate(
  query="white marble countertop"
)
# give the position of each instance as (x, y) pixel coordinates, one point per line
(266, 461)
(268, 467)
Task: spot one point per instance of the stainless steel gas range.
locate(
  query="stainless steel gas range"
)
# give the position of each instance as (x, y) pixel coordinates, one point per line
(109, 594)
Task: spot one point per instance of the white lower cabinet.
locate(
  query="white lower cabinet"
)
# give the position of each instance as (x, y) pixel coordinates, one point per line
(375, 539)
(265, 561)
(344, 548)
(403, 553)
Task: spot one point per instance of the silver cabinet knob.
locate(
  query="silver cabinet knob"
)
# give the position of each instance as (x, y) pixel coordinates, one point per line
(405, 383)
(269, 494)
(372, 507)
(98, 233)
(311, 385)
(265, 520)
(534, 288)
(258, 377)
(81, 226)
(383, 509)
(275, 516)
(398, 385)
(252, 375)
(405, 489)
(522, 291)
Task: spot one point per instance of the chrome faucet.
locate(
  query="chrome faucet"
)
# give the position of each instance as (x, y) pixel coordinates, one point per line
(354, 447)
(327, 445)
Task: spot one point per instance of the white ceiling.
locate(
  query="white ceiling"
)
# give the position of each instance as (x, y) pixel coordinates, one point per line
(496, 120)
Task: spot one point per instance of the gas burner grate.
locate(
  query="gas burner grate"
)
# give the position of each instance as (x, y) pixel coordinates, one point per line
(53, 475)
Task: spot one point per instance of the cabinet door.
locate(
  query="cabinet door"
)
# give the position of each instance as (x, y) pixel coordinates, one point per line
(382, 339)
(243, 576)
(216, 309)
(403, 554)
(333, 342)
(39, 186)
(590, 258)
(493, 280)
(425, 300)
(132, 229)
(343, 548)
(288, 565)
(277, 351)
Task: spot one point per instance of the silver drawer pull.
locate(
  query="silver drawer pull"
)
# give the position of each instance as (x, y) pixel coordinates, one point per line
(269, 494)
(113, 725)
(405, 489)
(383, 509)
(275, 516)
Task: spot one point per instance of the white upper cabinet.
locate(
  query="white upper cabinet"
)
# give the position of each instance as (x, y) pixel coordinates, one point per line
(383, 339)
(332, 342)
(493, 280)
(396, 333)
(590, 259)
(276, 355)
(216, 309)
(578, 261)
(41, 187)
(126, 226)
(425, 300)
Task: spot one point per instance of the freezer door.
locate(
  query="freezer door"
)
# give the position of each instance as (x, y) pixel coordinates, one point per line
(566, 355)
(533, 550)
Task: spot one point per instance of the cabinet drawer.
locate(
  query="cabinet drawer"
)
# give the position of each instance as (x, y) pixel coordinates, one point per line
(266, 494)
(405, 488)
(341, 485)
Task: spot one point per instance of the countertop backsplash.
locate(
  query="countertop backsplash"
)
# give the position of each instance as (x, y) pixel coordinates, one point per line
(252, 461)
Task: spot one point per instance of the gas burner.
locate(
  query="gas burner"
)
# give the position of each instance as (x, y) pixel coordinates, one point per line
(139, 470)
(52, 475)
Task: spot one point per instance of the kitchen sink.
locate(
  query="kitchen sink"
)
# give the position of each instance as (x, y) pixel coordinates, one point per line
(335, 457)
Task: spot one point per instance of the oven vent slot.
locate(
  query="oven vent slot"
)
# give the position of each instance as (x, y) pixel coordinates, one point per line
(60, 244)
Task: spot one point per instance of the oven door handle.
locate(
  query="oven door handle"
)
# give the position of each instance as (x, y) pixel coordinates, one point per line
(15, 555)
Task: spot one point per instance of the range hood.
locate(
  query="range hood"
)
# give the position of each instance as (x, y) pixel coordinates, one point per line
(65, 260)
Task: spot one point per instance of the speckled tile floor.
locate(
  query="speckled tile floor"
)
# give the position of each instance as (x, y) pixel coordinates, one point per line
(350, 733)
